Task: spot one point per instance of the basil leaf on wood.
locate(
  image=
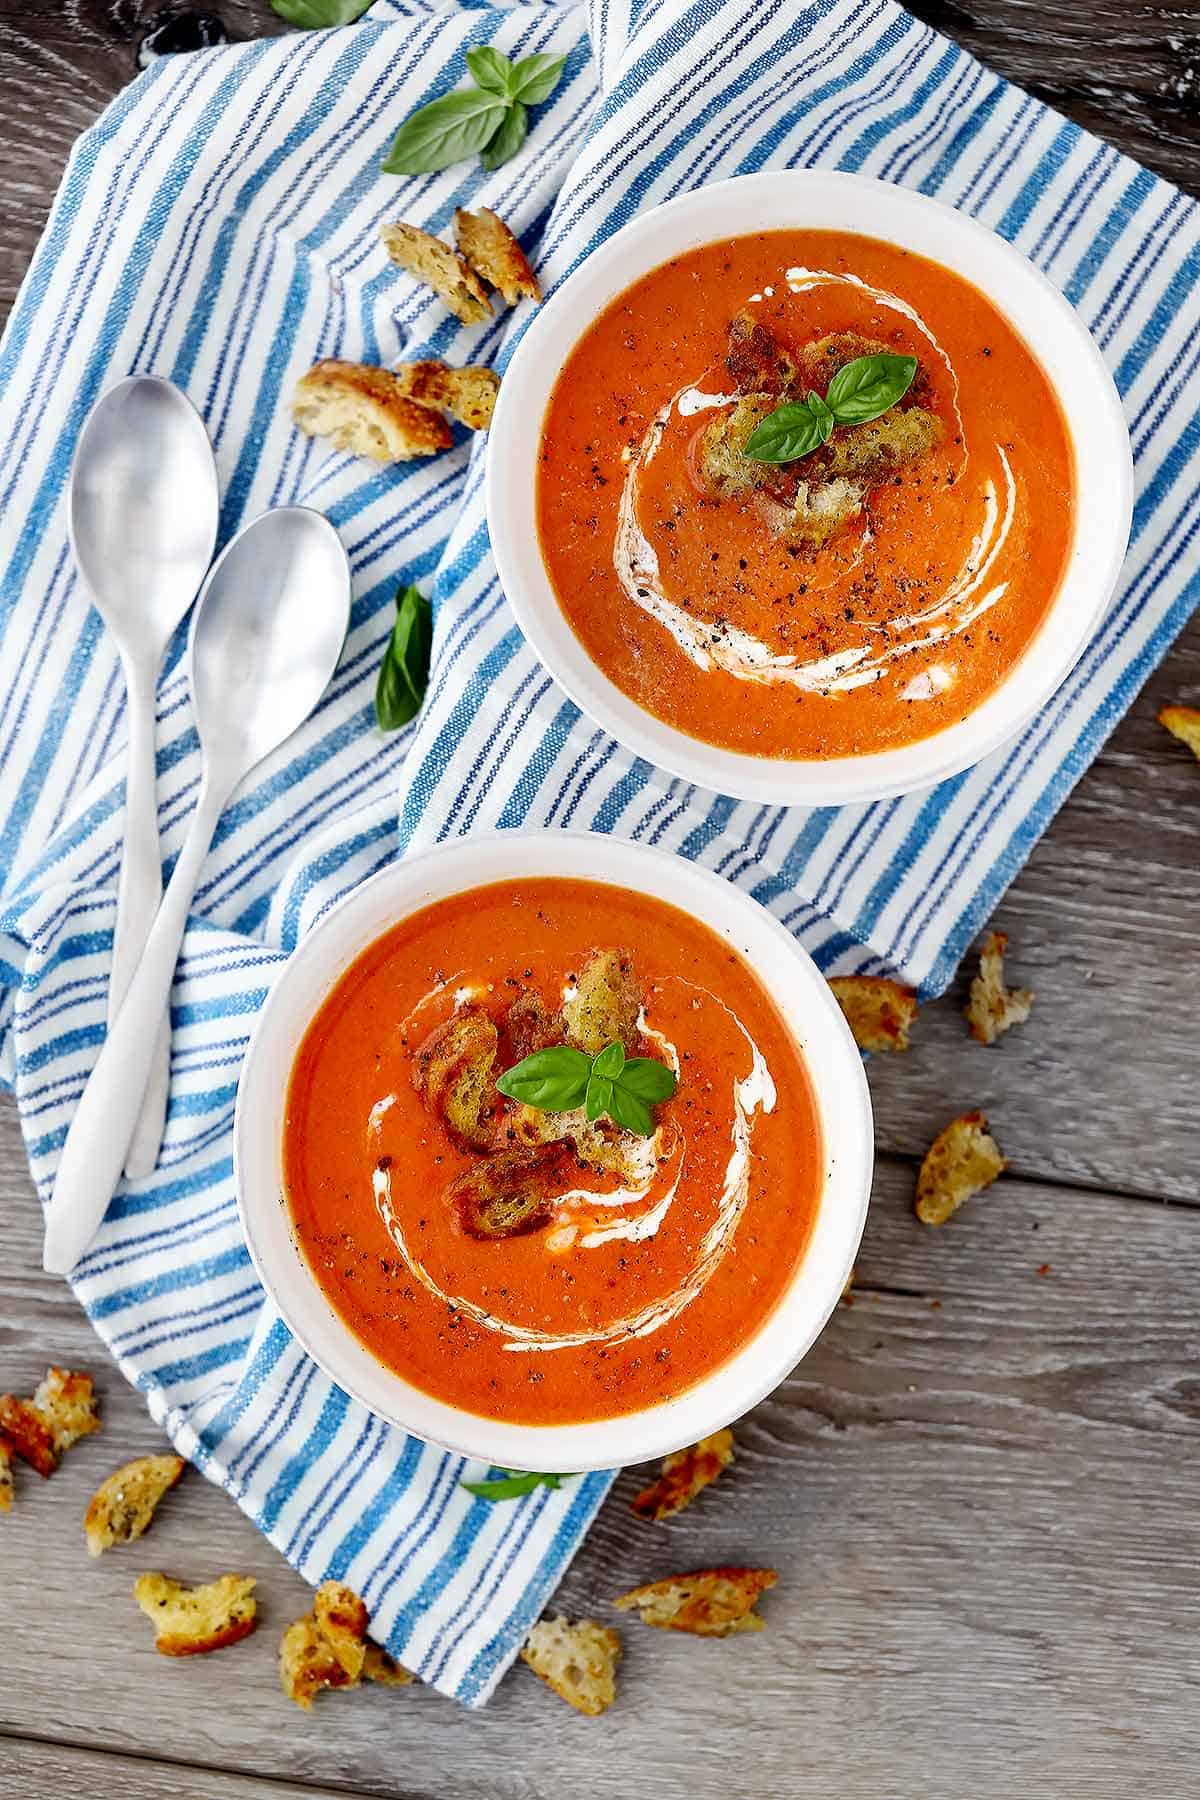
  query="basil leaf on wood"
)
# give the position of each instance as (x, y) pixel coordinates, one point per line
(511, 1485)
(535, 78)
(404, 671)
(792, 430)
(444, 132)
(508, 139)
(490, 69)
(318, 15)
(869, 386)
(554, 1080)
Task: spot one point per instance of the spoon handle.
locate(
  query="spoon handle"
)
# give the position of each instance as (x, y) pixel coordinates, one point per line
(104, 1120)
(138, 895)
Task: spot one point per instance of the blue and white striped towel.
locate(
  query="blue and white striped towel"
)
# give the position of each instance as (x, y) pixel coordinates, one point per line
(219, 226)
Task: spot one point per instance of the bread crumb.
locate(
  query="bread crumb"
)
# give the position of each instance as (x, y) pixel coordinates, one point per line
(122, 1507)
(468, 395)
(578, 1661)
(685, 1474)
(195, 1621)
(1183, 722)
(328, 1648)
(435, 264)
(41, 1430)
(366, 413)
(707, 1603)
(493, 252)
(6, 1476)
(879, 1012)
(994, 1008)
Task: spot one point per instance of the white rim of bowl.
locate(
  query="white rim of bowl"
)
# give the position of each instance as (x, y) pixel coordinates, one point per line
(1028, 301)
(814, 1020)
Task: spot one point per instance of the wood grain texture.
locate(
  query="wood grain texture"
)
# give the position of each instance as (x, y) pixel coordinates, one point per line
(978, 1488)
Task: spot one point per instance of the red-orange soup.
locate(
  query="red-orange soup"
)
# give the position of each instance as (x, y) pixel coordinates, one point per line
(581, 1318)
(853, 600)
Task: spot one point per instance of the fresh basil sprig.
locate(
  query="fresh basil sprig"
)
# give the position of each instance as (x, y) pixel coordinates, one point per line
(860, 391)
(490, 119)
(404, 671)
(562, 1079)
(511, 1485)
(317, 15)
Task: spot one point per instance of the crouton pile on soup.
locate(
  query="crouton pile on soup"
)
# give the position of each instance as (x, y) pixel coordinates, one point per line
(784, 577)
(550, 1151)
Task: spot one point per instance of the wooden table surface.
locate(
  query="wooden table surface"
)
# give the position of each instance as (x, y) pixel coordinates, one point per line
(980, 1488)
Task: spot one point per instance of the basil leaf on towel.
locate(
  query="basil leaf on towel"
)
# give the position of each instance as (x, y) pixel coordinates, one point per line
(868, 386)
(444, 132)
(318, 15)
(404, 672)
(511, 1485)
(508, 139)
(491, 70)
(536, 78)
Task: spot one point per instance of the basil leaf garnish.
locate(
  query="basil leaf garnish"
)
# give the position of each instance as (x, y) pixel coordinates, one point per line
(318, 15)
(490, 69)
(790, 431)
(404, 671)
(536, 78)
(511, 1485)
(554, 1080)
(869, 386)
(562, 1079)
(508, 139)
(444, 132)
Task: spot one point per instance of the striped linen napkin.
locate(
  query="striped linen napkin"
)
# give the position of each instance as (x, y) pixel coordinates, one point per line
(219, 225)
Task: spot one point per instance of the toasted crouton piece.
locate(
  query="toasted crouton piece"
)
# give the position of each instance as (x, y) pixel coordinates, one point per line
(449, 275)
(468, 395)
(994, 1008)
(379, 1667)
(709, 1603)
(529, 1025)
(513, 1191)
(865, 455)
(879, 1012)
(961, 1161)
(123, 1506)
(685, 1474)
(307, 1663)
(757, 360)
(194, 1621)
(365, 412)
(1183, 722)
(454, 1076)
(493, 252)
(341, 1618)
(6, 1476)
(605, 1004)
(578, 1661)
(63, 1410)
(723, 465)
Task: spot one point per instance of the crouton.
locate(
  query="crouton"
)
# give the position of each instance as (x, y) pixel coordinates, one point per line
(494, 253)
(865, 455)
(379, 1667)
(194, 1621)
(723, 464)
(431, 261)
(41, 1430)
(961, 1161)
(513, 1191)
(364, 412)
(1183, 722)
(529, 1025)
(685, 1474)
(308, 1663)
(578, 1661)
(605, 1004)
(879, 1012)
(468, 395)
(6, 1476)
(341, 1618)
(994, 1008)
(756, 359)
(453, 1075)
(123, 1506)
(709, 1603)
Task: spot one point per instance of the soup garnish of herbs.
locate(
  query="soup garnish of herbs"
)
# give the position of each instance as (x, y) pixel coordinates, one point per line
(550, 1151)
(804, 494)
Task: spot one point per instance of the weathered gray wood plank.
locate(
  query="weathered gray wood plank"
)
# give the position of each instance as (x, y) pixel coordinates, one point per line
(978, 1489)
(30, 1770)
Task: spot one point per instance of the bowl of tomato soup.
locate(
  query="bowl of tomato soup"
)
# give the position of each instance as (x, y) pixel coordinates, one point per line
(554, 1151)
(808, 488)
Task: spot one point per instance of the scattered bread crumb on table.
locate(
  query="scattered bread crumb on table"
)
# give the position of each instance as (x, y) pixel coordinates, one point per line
(961, 1161)
(685, 1474)
(578, 1661)
(122, 1507)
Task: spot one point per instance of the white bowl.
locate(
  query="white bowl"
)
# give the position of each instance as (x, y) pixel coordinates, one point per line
(811, 1013)
(809, 199)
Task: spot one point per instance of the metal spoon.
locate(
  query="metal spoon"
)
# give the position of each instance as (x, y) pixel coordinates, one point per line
(143, 510)
(266, 636)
